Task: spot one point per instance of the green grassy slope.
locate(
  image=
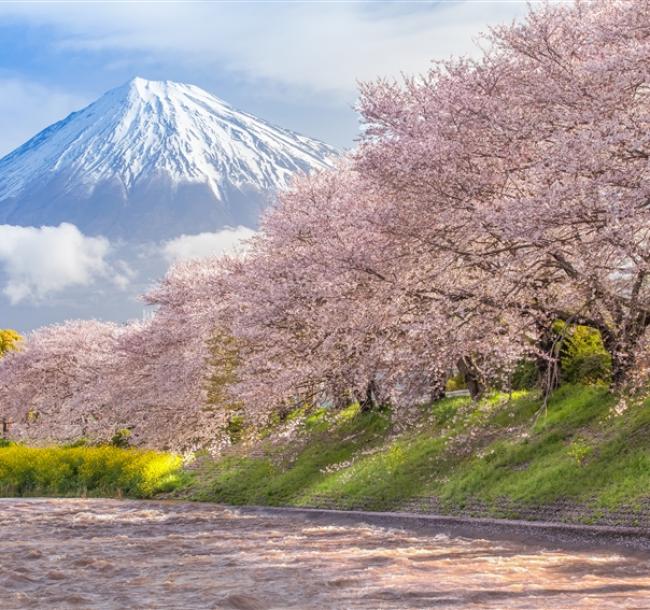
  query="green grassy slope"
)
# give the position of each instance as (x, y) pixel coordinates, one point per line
(579, 448)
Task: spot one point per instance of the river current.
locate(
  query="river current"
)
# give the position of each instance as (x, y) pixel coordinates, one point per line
(128, 554)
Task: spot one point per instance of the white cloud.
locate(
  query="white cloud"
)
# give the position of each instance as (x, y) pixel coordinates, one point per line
(40, 261)
(228, 241)
(123, 274)
(27, 107)
(322, 47)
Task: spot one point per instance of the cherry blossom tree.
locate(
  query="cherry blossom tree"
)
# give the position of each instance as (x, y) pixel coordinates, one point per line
(53, 387)
(487, 200)
(332, 303)
(168, 360)
(528, 164)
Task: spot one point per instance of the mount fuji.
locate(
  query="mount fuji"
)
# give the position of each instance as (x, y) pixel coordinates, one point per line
(152, 160)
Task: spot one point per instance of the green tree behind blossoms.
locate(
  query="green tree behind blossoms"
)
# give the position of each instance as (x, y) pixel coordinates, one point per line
(9, 340)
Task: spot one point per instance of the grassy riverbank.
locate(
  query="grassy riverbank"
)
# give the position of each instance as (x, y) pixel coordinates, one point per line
(86, 471)
(504, 453)
(583, 447)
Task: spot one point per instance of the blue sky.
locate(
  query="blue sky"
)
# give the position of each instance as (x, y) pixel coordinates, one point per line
(293, 63)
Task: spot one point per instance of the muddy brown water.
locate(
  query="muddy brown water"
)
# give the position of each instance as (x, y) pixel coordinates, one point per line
(129, 554)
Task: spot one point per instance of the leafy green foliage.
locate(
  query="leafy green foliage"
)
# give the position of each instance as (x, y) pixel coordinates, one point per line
(456, 382)
(583, 356)
(9, 341)
(79, 442)
(580, 450)
(121, 438)
(525, 375)
(235, 428)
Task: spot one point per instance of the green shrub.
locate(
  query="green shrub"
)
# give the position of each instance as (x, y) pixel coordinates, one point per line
(121, 438)
(9, 341)
(104, 471)
(583, 356)
(80, 442)
(457, 382)
(235, 428)
(525, 375)
(580, 450)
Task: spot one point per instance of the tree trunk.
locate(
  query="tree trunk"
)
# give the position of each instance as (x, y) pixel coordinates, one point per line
(437, 393)
(622, 346)
(623, 361)
(548, 360)
(437, 388)
(368, 402)
(471, 377)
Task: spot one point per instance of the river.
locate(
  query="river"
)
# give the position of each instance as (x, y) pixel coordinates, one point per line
(117, 554)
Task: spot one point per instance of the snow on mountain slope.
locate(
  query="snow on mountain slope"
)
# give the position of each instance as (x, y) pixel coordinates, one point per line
(152, 160)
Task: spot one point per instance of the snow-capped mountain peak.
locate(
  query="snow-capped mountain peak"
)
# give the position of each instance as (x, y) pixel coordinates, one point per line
(142, 138)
